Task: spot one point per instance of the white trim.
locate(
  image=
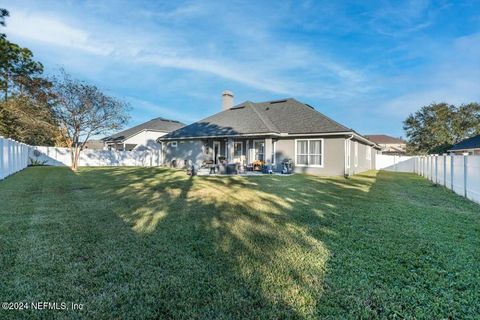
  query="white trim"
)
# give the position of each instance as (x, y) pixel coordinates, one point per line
(134, 134)
(322, 157)
(355, 155)
(348, 153)
(343, 133)
(466, 149)
(274, 147)
(236, 136)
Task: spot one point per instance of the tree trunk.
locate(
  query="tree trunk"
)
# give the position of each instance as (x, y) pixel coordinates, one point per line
(76, 155)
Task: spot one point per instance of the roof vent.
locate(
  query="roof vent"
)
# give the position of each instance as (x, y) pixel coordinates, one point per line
(309, 106)
(278, 101)
(239, 107)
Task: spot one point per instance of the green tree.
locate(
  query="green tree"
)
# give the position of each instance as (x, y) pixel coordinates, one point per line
(3, 14)
(436, 127)
(17, 68)
(26, 109)
(29, 117)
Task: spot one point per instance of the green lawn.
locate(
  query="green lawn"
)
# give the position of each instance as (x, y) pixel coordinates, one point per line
(150, 242)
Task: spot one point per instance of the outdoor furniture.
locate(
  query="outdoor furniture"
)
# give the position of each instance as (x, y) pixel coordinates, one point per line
(232, 168)
(267, 169)
(287, 166)
(257, 165)
(222, 167)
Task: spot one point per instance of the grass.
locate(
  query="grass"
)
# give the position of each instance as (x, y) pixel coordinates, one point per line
(155, 243)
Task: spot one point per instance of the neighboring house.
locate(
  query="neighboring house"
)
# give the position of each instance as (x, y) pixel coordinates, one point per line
(271, 132)
(388, 144)
(470, 146)
(94, 144)
(143, 136)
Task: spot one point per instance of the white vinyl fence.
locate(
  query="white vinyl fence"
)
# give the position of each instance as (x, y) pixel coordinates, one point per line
(395, 163)
(459, 173)
(13, 157)
(55, 156)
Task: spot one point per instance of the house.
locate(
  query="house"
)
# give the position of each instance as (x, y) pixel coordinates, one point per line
(142, 136)
(270, 133)
(388, 144)
(94, 145)
(470, 146)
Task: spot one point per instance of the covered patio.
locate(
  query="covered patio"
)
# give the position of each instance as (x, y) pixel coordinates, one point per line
(238, 155)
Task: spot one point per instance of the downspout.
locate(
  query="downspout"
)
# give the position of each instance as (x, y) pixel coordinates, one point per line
(346, 170)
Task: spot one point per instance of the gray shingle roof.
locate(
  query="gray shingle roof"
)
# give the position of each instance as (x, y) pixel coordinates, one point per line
(384, 139)
(157, 124)
(470, 143)
(280, 116)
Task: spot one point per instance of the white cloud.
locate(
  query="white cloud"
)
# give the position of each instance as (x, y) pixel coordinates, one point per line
(52, 31)
(402, 18)
(257, 68)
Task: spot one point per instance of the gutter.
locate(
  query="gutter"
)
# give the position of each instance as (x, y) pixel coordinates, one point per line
(275, 134)
(345, 169)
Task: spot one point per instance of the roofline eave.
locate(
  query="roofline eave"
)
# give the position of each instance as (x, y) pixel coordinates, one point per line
(276, 134)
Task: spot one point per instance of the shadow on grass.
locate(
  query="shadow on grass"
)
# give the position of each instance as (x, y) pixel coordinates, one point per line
(155, 243)
(253, 246)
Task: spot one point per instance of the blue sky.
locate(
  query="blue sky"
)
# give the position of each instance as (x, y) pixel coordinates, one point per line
(367, 64)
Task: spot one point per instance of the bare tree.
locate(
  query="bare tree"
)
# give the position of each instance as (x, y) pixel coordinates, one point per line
(83, 111)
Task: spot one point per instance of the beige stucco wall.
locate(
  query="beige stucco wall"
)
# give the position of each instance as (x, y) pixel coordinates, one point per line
(363, 163)
(333, 157)
(333, 154)
(189, 150)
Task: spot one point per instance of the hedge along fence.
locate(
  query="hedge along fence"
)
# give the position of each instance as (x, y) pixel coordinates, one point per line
(55, 156)
(13, 156)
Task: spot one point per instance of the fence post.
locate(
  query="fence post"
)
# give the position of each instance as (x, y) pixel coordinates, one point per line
(9, 151)
(436, 169)
(465, 164)
(452, 166)
(15, 156)
(1, 158)
(444, 169)
(432, 167)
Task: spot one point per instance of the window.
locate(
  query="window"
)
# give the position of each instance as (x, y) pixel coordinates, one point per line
(173, 144)
(237, 149)
(369, 153)
(355, 159)
(309, 152)
(258, 146)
